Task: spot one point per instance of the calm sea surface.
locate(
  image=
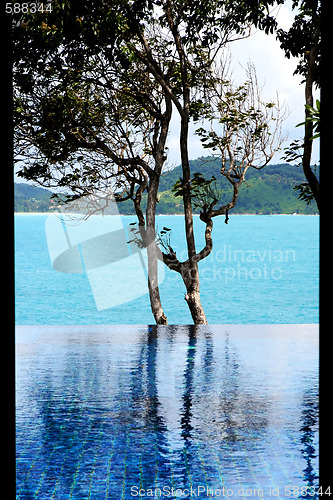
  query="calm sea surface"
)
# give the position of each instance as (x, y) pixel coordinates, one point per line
(263, 269)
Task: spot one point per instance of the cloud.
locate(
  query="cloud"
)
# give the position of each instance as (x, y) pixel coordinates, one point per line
(275, 73)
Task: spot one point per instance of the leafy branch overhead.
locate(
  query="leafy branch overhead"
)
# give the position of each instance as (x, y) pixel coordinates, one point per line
(245, 132)
(295, 151)
(205, 193)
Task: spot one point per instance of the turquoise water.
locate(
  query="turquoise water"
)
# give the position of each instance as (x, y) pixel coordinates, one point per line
(263, 269)
(122, 412)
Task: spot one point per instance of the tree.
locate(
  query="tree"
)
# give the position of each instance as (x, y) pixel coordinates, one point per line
(249, 134)
(81, 125)
(217, 23)
(90, 77)
(303, 40)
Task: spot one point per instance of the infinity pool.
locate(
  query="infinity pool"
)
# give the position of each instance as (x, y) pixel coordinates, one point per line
(126, 412)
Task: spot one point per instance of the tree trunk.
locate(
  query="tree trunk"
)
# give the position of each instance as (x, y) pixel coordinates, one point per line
(152, 250)
(190, 275)
(154, 293)
(190, 272)
(310, 176)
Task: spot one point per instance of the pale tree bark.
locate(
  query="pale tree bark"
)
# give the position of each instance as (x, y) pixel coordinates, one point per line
(189, 269)
(148, 226)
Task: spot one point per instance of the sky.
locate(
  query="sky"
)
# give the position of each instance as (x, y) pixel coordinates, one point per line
(274, 72)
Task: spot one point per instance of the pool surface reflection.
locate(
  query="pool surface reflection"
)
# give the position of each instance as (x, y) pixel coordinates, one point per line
(122, 412)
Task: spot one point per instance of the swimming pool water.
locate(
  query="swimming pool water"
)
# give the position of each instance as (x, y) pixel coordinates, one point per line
(122, 412)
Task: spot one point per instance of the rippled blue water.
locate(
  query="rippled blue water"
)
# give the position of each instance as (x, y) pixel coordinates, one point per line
(222, 411)
(263, 269)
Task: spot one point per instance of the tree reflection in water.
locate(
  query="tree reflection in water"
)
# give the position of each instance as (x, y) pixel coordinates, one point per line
(161, 407)
(309, 440)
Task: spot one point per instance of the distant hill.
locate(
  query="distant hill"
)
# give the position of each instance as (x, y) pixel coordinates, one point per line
(266, 191)
(30, 198)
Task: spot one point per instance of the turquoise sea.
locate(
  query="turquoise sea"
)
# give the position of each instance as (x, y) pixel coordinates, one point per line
(263, 269)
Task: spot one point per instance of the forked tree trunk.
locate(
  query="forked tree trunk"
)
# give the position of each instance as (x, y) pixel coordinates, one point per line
(190, 272)
(191, 276)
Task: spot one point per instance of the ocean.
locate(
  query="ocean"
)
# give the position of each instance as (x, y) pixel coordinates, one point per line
(264, 269)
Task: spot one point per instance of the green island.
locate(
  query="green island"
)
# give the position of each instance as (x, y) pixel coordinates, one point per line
(267, 191)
